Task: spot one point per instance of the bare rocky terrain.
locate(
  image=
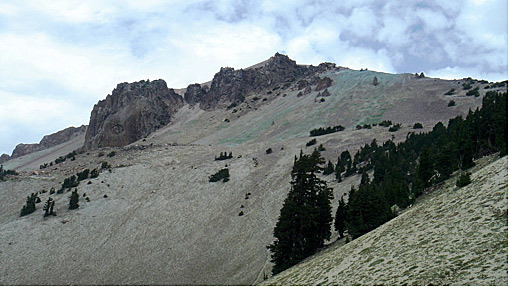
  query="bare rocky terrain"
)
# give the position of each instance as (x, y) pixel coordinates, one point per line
(162, 222)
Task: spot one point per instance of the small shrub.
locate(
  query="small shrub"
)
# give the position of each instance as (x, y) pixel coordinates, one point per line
(385, 123)
(418, 126)
(29, 206)
(324, 131)
(224, 156)
(111, 154)
(269, 150)
(52, 190)
(474, 92)
(321, 148)
(467, 86)
(450, 92)
(311, 142)
(70, 182)
(105, 196)
(241, 213)
(105, 165)
(464, 179)
(221, 174)
(83, 175)
(73, 200)
(94, 173)
(451, 103)
(395, 128)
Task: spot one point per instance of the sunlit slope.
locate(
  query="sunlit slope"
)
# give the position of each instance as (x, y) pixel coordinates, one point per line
(453, 236)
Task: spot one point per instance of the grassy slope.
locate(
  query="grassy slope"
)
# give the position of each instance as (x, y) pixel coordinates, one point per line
(453, 236)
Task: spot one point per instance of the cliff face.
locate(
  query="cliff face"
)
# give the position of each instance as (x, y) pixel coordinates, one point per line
(131, 112)
(135, 110)
(48, 141)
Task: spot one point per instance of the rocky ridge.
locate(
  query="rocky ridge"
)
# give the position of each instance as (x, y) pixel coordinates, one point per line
(134, 110)
(47, 141)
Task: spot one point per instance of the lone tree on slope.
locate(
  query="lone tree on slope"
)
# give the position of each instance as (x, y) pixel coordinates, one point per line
(305, 218)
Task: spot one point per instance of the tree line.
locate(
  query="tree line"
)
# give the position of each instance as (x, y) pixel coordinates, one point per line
(401, 172)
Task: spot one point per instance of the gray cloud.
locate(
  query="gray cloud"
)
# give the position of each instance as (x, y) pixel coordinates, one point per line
(58, 58)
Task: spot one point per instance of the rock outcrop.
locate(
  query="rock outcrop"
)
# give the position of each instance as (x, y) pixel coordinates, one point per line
(324, 83)
(131, 112)
(195, 93)
(230, 85)
(48, 141)
(4, 157)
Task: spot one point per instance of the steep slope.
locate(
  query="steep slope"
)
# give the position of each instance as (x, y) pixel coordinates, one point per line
(453, 236)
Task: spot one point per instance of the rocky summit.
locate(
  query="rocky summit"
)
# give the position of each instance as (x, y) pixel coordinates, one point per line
(131, 112)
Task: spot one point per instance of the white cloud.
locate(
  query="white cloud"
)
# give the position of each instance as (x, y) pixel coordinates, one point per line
(457, 72)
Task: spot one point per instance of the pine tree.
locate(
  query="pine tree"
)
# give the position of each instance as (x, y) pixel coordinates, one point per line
(330, 168)
(29, 206)
(340, 218)
(305, 218)
(425, 167)
(73, 200)
(48, 207)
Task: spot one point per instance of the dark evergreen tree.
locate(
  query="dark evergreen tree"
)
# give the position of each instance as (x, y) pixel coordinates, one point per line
(305, 218)
(339, 169)
(29, 206)
(330, 168)
(73, 200)
(48, 207)
(425, 167)
(340, 218)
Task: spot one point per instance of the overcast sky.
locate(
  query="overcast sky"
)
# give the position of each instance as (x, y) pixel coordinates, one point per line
(58, 58)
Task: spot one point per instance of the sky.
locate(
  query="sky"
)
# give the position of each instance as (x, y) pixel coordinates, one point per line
(59, 58)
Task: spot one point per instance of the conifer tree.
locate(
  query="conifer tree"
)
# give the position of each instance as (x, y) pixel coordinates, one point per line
(48, 207)
(425, 167)
(73, 200)
(330, 168)
(340, 218)
(305, 218)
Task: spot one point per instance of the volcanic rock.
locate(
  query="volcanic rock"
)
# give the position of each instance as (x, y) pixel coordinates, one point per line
(4, 157)
(131, 112)
(324, 83)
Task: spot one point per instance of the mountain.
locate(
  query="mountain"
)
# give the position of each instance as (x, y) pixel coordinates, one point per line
(152, 215)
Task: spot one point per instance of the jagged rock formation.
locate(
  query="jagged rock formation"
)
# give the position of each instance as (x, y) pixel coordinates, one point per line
(195, 93)
(48, 141)
(230, 85)
(324, 83)
(131, 112)
(135, 110)
(4, 157)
